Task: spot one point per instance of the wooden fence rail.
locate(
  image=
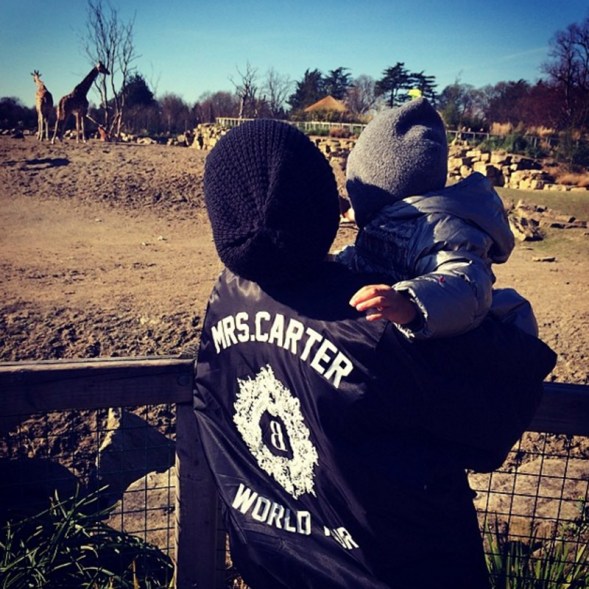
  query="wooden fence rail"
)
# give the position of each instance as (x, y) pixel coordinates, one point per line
(38, 387)
(475, 137)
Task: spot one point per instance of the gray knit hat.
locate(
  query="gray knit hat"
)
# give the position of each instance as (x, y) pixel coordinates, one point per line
(402, 152)
(272, 201)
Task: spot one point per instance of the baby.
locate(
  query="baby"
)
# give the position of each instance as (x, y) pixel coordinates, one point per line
(435, 244)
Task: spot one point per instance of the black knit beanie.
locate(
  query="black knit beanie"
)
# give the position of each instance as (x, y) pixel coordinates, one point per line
(402, 152)
(272, 201)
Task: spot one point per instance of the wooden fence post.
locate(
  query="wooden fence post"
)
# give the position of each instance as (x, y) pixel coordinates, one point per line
(196, 508)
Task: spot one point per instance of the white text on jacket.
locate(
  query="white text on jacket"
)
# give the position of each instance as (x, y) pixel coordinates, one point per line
(289, 334)
(268, 512)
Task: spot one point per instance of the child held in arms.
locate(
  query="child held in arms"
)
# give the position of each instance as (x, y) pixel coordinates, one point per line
(435, 244)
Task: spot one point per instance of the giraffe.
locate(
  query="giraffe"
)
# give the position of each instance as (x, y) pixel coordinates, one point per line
(44, 106)
(76, 103)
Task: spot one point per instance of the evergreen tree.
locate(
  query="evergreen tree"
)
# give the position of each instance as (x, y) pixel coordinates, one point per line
(337, 82)
(309, 90)
(393, 85)
(425, 84)
(137, 92)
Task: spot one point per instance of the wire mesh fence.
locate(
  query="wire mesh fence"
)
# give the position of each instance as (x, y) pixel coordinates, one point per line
(97, 486)
(536, 502)
(534, 513)
(130, 473)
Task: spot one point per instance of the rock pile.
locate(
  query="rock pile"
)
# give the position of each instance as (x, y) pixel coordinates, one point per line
(528, 221)
(501, 168)
(206, 135)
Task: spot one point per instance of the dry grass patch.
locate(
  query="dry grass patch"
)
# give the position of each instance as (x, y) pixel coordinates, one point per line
(580, 180)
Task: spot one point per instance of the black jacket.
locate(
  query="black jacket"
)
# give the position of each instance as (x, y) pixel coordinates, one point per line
(339, 448)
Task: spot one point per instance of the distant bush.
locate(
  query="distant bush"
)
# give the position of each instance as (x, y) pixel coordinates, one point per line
(573, 151)
(574, 179)
(517, 143)
(340, 133)
(14, 115)
(317, 131)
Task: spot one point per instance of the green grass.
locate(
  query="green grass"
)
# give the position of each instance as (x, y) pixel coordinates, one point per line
(575, 204)
(570, 243)
(556, 562)
(69, 545)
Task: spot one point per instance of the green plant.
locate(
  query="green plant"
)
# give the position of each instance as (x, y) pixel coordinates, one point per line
(317, 131)
(518, 143)
(68, 545)
(572, 150)
(539, 563)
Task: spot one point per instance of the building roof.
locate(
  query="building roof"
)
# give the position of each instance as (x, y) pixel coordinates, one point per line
(327, 103)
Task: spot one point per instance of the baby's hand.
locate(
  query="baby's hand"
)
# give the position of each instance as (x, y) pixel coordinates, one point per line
(381, 301)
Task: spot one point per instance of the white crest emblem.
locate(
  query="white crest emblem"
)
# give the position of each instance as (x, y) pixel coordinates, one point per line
(271, 423)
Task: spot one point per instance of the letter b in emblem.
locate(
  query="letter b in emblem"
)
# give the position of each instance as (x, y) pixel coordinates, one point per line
(275, 435)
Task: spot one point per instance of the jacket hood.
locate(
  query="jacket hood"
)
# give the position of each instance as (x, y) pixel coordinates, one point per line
(473, 200)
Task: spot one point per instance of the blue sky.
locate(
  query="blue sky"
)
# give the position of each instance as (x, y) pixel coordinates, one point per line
(189, 47)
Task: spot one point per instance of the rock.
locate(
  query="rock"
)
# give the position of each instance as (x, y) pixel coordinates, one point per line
(491, 172)
(500, 167)
(529, 179)
(500, 158)
(147, 509)
(457, 162)
(568, 225)
(532, 495)
(525, 163)
(28, 484)
(523, 227)
(130, 450)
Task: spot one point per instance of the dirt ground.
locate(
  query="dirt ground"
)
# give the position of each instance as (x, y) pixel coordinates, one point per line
(105, 250)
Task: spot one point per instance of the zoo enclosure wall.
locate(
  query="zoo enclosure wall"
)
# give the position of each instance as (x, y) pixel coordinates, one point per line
(193, 535)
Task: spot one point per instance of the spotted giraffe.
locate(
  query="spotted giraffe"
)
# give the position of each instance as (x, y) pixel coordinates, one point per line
(76, 103)
(44, 106)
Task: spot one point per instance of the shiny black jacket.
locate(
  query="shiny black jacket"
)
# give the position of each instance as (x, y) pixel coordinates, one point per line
(339, 448)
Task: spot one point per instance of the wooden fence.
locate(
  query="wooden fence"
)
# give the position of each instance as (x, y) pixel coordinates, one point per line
(28, 388)
(322, 127)
(306, 126)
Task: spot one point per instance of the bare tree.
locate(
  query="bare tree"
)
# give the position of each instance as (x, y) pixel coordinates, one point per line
(111, 41)
(175, 113)
(246, 89)
(210, 106)
(276, 89)
(360, 96)
(568, 70)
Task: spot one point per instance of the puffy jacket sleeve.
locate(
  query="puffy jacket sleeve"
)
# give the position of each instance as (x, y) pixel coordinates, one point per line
(453, 279)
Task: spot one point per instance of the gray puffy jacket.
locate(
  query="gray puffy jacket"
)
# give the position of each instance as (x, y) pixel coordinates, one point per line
(439, 248)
